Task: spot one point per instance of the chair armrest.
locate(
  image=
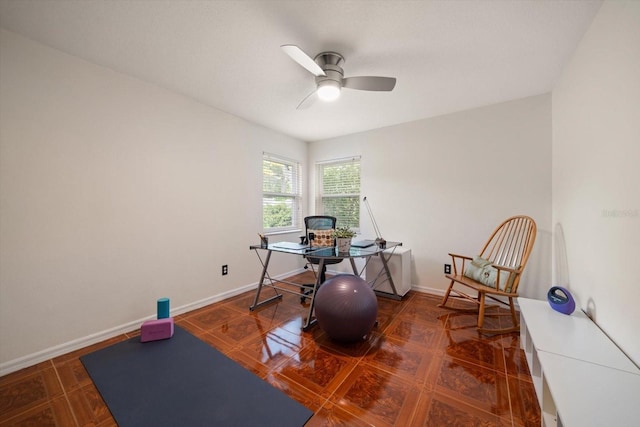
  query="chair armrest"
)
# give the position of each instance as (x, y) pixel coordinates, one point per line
(513, 273)
(504, 267)
(460, 256)
(455, 263)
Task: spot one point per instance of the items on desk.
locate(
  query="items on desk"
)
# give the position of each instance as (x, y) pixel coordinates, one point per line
(290, 245)
(382, 243)
(264, 240)
(321, 238)
(363, 243)
(343, 236)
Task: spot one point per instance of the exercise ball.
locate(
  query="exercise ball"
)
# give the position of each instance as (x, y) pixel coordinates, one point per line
(346, 308)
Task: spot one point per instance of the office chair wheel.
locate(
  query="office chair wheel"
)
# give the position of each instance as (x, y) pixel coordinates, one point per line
(304, 291)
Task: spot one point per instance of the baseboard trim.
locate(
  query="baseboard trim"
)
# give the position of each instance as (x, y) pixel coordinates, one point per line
(427, 290)
(73, 345)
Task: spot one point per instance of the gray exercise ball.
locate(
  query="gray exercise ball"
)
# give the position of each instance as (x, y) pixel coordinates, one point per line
(346, 308)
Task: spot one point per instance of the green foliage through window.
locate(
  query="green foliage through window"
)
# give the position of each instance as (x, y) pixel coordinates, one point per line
(340, 191)
(280, 193)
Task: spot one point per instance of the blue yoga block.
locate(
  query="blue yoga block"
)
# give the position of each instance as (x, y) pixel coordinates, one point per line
(163, 308)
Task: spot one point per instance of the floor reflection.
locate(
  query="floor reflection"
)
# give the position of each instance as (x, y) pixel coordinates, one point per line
(421, 366)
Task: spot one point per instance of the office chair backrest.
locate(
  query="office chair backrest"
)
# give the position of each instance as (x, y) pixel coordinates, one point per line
(319, 230)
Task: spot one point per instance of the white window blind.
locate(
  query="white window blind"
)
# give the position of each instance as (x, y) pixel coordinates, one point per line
(339, 191)
(280, 193)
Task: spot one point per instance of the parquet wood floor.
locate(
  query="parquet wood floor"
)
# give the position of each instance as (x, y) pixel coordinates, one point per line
(421, 366)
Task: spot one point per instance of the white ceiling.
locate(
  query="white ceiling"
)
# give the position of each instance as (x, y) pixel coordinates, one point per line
(447, 55)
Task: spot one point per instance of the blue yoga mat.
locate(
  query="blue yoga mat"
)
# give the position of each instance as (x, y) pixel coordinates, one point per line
(183, 381)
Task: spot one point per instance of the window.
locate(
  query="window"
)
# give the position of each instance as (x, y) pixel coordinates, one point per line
(339, 191)
(280, 194)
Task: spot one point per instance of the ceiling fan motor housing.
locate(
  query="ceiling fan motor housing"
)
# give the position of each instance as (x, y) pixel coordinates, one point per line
(328, 58)
(330, 62)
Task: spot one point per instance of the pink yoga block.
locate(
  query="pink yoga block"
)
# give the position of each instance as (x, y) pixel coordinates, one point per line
(154, 330)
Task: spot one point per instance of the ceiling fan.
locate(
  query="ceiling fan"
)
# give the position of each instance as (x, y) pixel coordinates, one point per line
(326, 66)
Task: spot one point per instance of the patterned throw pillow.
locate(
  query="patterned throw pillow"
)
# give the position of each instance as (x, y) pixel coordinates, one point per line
(482, 271)
(321, 238)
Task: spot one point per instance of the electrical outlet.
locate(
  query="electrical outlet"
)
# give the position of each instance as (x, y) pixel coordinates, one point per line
(225, 270)
(447, 269)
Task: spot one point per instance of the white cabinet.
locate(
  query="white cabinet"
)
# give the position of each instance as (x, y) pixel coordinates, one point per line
(399, 263)
(580, 376)
(586, 394)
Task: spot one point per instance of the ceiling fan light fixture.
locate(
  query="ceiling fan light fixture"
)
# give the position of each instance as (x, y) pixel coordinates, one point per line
(328, 90)
(327, 67)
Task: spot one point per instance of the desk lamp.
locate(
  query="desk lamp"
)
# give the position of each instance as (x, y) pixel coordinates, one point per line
(382, 243)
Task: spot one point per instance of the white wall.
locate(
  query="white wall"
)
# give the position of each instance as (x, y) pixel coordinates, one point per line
(113, 193)
(442, 185)
(596, 153)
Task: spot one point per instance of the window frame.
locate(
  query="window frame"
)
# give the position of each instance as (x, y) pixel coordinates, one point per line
(320, 189)
(295, 195)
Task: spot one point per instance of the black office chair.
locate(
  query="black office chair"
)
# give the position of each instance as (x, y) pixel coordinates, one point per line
(318, 233)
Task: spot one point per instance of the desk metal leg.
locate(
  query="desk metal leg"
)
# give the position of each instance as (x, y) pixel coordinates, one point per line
(353, 267)
(310, 320)
(264, 274)
(395, 295)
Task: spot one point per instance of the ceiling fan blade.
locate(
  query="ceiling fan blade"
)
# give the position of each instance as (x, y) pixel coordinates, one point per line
(308, 101)
(303, 59)
(383, 84)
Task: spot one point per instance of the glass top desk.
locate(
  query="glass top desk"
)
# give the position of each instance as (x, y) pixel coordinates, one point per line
(321, 254)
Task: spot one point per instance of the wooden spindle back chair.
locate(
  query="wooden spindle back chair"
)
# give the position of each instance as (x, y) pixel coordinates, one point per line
(496, 272)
